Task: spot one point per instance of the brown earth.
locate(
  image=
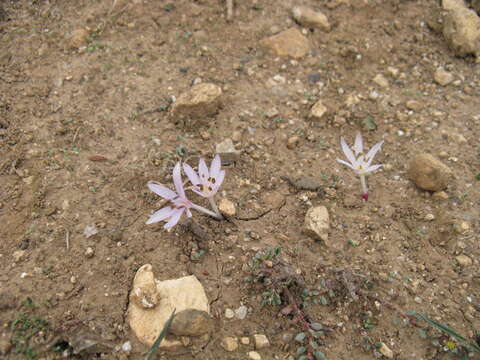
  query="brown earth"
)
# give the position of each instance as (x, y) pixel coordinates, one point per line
(85, 91)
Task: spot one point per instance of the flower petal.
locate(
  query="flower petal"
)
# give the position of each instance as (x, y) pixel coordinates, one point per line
(219, 179)
(358, 146)
(373, 168)
(199, 192)
(203, 171)
(373, 151)
(192, 175)
(215, 166)
(177, 180)
(176, 215)
(348, 153)
(162, 191)
(160, 215)
(346, 163)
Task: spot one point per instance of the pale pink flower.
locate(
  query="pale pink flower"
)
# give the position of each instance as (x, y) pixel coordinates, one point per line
(358, 161)
(207, 182)
(179, 202)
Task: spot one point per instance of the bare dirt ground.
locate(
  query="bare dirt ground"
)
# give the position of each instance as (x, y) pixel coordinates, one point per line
(67, 103)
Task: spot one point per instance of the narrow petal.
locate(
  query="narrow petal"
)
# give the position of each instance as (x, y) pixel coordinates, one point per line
(177, 180)
(215, 166)
(162, 191)
(189, 213)
(358, 146)
(348, 153)
(219, 179)
(373, 151)
(346, 163)
(199, 192)
(160, 215)
(203, 170)
(176, 215)
(192, 175)
(373, 168)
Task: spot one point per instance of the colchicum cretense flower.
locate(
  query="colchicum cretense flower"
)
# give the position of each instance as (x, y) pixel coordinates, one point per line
(179, 202)
(207, 182)
(358, 161)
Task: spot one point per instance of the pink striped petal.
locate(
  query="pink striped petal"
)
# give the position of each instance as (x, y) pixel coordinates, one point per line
(160, 215)
(176, 215)
(192, 175)
(215, 166)
(373, 168)
(348, 153)
(358, 146)
(219, 179)
(177, 180)
(162, 191)
(203, 171)
(373, 151)
(346, 163)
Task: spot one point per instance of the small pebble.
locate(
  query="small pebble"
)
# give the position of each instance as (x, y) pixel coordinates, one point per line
(89, 252)
(293, 142)
(254, 355)
(229, 313)
(245, 340)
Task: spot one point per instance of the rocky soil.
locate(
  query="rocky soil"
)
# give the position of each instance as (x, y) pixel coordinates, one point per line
(99, 98)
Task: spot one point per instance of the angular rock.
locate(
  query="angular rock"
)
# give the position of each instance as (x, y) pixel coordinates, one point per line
(290, 42)
(461, 28)
(5, 344)
(442, 77)
(229, 313)
(180, 294)
(241, 312)
(385, 351)
(78, 38)
(261, 341)
(464, 260)
(381, 80)
(18, 255)
(227, 208)
(230, 343)
(318, 111)
(317, 223)
(201, 101)
(414, 105)
(310, 18)
(192, 322)
(253, 355)
(227, 151)
(452, 4)
(292, 142)
(429, 173)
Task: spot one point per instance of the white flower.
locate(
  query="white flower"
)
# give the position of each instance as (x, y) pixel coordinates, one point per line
(358, 161)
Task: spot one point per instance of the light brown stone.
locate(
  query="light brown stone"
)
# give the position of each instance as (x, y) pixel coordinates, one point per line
(318, 111)
(461, 28)
(230, 343)
(317, 223)
(78, 38)
(311, 18)
(429, 173)
(179, 294)
(290, 42)
(227, 208)
(202, 100)
(261, 341)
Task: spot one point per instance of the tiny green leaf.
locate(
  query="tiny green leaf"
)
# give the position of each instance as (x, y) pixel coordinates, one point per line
(300, 337)
(151, 355)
